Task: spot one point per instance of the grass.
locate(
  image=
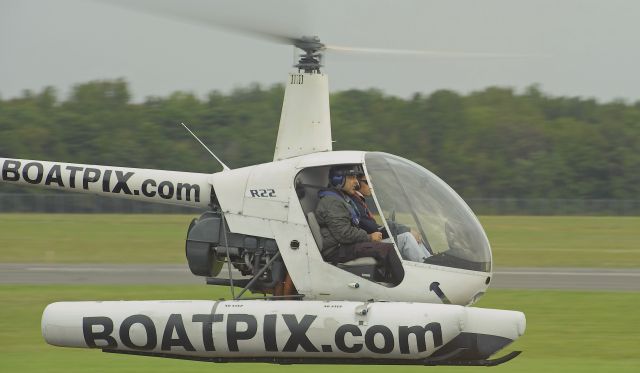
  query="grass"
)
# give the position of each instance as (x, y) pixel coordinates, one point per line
(93, 238)
(612, 242)
(564, 241)
(566, 332)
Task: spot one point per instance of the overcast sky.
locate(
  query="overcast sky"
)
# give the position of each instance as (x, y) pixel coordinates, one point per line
(582, 47)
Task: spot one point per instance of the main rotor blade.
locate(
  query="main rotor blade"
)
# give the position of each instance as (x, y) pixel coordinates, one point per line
(252, 18)
(427, 53)
(280, 21)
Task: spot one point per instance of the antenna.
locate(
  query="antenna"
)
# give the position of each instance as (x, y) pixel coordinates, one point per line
(224, 166)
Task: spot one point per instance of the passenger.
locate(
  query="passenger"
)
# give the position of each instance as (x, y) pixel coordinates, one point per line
(339, 219)
(409, 242)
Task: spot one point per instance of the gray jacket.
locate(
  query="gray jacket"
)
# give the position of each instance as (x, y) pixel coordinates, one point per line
(336, 227)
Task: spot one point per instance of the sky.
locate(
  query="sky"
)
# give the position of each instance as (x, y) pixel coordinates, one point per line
(583, 48)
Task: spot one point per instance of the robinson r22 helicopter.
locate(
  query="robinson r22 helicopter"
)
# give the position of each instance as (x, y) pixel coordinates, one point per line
(260, 221)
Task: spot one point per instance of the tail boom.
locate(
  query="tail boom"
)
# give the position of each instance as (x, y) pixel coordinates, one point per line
(159, 186)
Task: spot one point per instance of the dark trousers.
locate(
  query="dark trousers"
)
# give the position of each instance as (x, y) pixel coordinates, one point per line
(382, 252)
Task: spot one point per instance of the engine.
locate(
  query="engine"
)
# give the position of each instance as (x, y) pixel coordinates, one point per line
(210, 244)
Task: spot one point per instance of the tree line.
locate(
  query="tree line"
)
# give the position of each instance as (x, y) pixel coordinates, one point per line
(491, 143)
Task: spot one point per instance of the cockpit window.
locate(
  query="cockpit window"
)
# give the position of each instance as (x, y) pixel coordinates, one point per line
(430, 223)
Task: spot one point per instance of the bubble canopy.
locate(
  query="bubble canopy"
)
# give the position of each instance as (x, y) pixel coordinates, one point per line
(419, 208)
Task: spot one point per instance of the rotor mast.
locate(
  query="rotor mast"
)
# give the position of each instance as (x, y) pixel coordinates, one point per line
(305, 123)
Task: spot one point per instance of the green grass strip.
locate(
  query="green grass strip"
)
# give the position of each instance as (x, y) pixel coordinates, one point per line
(564, 241)
(517, 241)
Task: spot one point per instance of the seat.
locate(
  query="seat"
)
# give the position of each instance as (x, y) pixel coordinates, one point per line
(363, 267)
(315, 228)
(307, 195)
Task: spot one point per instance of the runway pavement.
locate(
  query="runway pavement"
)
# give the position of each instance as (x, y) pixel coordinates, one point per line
(503, 278)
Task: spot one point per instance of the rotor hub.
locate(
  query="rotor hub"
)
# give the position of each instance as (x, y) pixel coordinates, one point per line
(311, 61)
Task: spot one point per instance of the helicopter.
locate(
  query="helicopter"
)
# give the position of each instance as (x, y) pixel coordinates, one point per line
(260, 221)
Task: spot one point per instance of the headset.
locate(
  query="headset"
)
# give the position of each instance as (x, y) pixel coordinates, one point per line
(338, 174)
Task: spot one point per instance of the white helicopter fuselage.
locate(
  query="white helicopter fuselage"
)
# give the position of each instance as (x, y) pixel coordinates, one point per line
(262, 200)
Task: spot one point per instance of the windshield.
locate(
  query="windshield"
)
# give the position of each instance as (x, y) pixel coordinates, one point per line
(428, 221)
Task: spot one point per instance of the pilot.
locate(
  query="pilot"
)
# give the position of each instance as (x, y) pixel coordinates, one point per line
(409, 242)
(339, 220)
